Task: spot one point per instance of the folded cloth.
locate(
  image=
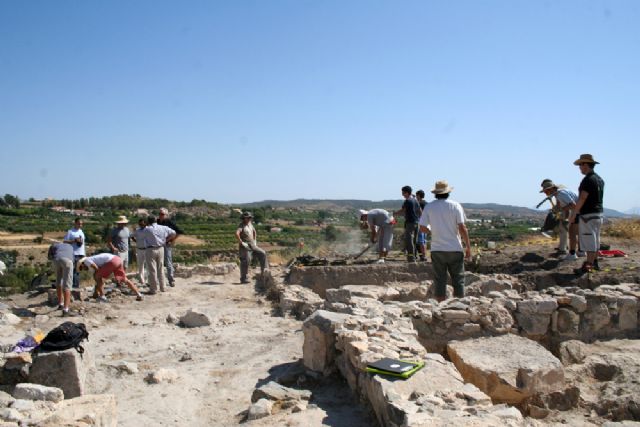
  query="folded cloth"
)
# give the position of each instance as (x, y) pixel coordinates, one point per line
(612, 253)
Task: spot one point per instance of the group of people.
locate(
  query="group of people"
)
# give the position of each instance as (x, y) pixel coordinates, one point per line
(154, 238)
(581, 215)
(443, 219)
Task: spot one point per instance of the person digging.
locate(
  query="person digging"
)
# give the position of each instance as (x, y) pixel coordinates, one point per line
(104, 265)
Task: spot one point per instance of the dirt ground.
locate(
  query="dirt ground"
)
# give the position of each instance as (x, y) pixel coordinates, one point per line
(245, 346)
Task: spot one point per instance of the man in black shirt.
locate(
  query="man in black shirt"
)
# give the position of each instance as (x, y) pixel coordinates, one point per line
(421, 241)
(411, 211)
(589, 206)
(163, 219)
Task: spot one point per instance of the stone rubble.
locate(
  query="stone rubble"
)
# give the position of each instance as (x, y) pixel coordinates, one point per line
(499, 338)
(195, 318)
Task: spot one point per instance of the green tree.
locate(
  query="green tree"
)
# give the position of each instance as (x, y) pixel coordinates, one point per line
(331, 233)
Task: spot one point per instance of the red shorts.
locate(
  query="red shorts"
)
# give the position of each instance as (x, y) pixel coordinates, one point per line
(114, 266)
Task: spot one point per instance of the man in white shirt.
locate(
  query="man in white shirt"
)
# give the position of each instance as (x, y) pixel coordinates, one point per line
(75, 237)
(156, 237)
(445, 219)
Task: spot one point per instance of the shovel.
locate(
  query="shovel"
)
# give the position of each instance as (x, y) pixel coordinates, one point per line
(363, 251)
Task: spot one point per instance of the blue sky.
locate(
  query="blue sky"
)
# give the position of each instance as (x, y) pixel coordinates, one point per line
(242, 101)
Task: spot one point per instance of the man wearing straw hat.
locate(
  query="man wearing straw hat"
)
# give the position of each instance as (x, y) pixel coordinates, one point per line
(589, 206)
(445, 219)
(118, 240)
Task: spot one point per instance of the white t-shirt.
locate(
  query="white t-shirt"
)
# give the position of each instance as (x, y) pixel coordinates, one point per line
(73, 234)
(98, 260)
(443, 217)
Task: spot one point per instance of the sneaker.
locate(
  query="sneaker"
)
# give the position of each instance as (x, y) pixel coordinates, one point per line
(380, 261)
(139, 297)
(570, 257)
(69, 313)
(102, 299)
(172, 284)
(60, 307)
(581, 254)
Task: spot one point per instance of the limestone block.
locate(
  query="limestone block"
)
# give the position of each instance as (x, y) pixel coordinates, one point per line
(319, 339)
(66, 370)
(455, 316)
(627, 312)
(538, 306)
(195, 318)
(260, 409)
(279, 393)
(572, 351)
(568, 322)
(299, 301)
(161, 375)
(508, 368)
(38, 392)
(596, 316)
(533, 324)
(579, 303)
(96, 410)
(9, 319)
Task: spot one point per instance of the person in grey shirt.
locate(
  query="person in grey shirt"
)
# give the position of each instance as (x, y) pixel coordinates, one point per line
(118, 240)
(156, 237)
(138, 237)
(61, 255)
(380, 223)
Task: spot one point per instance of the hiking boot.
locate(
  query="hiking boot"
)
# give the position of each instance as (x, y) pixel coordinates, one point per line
(69, 313)
(172, 284)
(581, 254)
(585, 269)
(570, 257)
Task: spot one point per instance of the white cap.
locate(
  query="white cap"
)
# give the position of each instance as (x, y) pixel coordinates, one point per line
(362, 212)
(164, 211)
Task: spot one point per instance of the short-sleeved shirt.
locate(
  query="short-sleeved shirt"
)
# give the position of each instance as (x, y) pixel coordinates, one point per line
(99, 260)
(172, 225)
(247, 231)
(411, 210)
(138, 236)
(120, 238)
(594, 186)
(443, 217)
(74, 233)
(422, 203)
(566, 197)
(59, 251)
(155, 235)
(378, 218)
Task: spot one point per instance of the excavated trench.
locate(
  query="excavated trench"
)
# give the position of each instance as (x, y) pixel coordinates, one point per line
(532, 297)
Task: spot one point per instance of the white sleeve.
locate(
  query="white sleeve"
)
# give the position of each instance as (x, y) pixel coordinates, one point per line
(424, 218)
(459, 214)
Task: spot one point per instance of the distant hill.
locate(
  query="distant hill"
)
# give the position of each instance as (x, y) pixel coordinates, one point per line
(487, 209)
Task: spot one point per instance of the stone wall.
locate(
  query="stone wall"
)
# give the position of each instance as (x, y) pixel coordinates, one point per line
(319, 279)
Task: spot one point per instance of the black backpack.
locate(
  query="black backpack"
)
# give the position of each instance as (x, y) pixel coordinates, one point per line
(67, 335)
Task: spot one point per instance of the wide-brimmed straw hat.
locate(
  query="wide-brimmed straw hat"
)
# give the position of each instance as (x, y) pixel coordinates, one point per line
(585, 158)
(442, 187)
(80, 263)
(122, 220)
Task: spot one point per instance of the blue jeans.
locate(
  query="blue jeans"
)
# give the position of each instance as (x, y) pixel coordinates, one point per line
(453, 263)
(168, 263)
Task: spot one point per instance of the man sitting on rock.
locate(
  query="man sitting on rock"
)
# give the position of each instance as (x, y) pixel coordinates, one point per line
(104, 265)
(445, 218)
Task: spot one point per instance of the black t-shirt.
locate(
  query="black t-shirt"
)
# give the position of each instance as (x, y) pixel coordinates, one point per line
(411, 210)
(172, 225)
(594, 186)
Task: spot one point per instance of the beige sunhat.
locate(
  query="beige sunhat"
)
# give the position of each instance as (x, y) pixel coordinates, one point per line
(122, 220)
(442, 187)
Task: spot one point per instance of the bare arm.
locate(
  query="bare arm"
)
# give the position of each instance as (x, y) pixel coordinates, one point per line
(462, 229)
(110, 244)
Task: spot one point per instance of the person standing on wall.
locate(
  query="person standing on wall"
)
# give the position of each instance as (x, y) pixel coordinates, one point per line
(75, 237)
(590, 208)
(163, 219)
(446, 220)
(421, 241)
(411, 211)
